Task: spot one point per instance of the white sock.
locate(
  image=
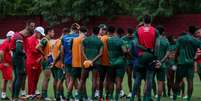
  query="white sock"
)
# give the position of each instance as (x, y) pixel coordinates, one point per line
(3, 95)
(23, 92)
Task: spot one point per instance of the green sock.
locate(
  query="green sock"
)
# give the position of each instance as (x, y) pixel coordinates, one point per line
(62, 93)
(69, 95)
(117, 96)
(110, 96)
(57, 94)
(159, 98)
(144, 98)
(44, 93)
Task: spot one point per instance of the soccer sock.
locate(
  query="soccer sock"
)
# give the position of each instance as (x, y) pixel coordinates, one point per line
(159, 98)
(57, 94)
(62, 93)
(69, 95)
(23, 93)
(117, 95)
(44, 93)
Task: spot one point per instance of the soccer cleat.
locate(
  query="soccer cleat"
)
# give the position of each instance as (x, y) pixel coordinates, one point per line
(185, 97)
(5, 98)
(129, 96)
(156, 96)
(122, 94)
(47, 99)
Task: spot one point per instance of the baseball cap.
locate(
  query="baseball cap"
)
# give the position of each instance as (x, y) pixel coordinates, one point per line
(40, 30)
(10, 33)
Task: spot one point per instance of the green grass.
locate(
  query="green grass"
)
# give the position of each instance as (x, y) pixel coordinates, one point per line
(196, 92)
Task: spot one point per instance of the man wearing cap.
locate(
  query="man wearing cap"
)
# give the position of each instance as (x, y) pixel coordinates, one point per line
(6, 65)
(103, 68)
(33, 69)
(44, 47)
(18, 47)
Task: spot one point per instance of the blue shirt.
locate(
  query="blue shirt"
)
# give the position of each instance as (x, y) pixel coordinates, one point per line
(66, 42)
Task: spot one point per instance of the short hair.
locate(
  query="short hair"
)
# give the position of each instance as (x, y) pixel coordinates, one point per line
(75, 26)
(48, 29)
(66, 30)
(130, 30)
(28, 22)
(83, 29)
(96, 30)
(111, 29)
(192, 29)
(147, 19)
(160, 29)
(120, 31)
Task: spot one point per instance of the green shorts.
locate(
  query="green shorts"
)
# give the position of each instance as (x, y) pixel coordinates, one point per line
(76, 73)
(58, 73)
(185, 71)
(68, 68)
(45, 65)
(103, 70)
(119, 71)
(160, 74)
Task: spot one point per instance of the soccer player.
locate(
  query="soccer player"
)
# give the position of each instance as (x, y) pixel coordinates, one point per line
(66, 48)
(57, 68)
(171, 64)
(92, 48)
(34, 67)
(161, 53)
(77, 60)
(198, 55)
(128, 39)
(116, 51)
(44, 47)
(146, 36)
(18, 46)
(105, 65)
(6, 65)
(186, 45)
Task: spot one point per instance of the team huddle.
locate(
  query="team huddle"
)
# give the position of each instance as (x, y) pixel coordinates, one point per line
(143, 53)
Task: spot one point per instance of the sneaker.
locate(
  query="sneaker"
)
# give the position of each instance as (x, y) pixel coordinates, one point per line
(47, 99)
(185, 97)
(37, 92)
(5, 98)
(122, 94)
(156, 96)
(129, 96)
(171, 97)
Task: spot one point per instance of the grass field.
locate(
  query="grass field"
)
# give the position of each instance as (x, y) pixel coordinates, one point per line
(196, 93)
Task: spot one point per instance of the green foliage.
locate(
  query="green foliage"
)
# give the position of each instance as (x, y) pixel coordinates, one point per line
(57, 11)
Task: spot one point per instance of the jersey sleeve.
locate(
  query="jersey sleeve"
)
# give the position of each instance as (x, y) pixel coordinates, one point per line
(19, 47)
(43, 42)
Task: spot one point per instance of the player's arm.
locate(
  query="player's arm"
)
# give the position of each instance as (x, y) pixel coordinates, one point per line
(83, 51)
(166, 55)
(40, 46)
(99, 54)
